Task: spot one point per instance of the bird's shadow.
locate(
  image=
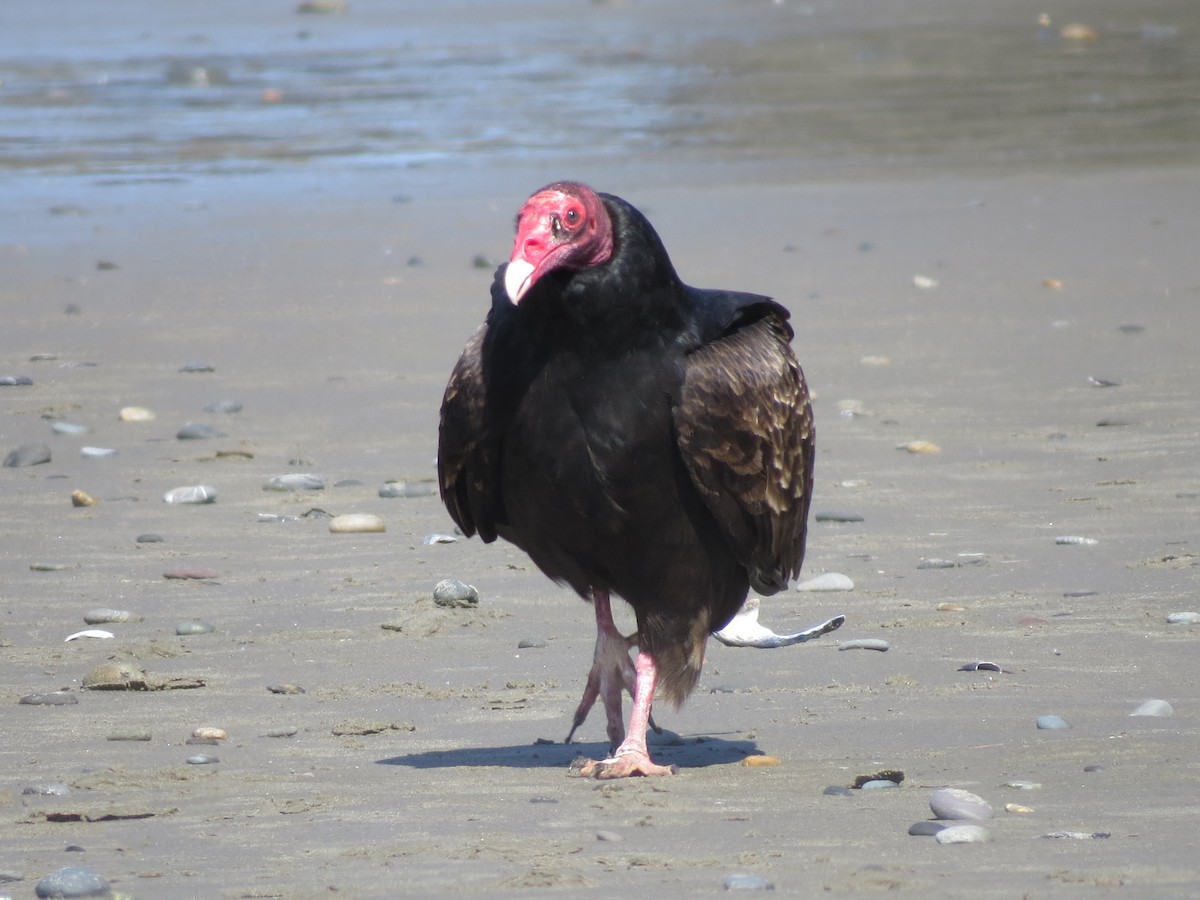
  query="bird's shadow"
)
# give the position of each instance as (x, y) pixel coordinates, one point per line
(685, 752)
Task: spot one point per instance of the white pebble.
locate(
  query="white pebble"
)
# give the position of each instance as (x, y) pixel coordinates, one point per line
(958, 805)
(1154, 708)
(829, 581)
(356, 523)
(962, 834)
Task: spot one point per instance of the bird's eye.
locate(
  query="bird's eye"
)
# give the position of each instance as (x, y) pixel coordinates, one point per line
(573, 217)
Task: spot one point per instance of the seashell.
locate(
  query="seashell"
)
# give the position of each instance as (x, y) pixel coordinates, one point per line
(193, 493)
(209, 733)
(1154, 708)
(89, 633)
(743, 630)
(80, 498)
(920, 447)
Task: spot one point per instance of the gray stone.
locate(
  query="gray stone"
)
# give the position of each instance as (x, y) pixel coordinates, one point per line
(73, 881)
(27, 455)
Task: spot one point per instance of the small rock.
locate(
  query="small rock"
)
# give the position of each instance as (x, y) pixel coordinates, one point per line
(877, 784)
(47, 789)
(209, 733)
(609, 837)
(109, 616)
(52, 698)
(1052, 723)
(936, 564)
(1076, 540)
(1076, 835)
(1017, 808)
(73, 881)
(197, 573)
(198, 431)
(962, 834)
(920, 447)
(183, 629)
(356, 523)
(837, 517)
(80, 499)
(195, 493)
(1154, 708)
(1023, 785)
(827, 581)
(760, 760)
(837, 790)
(531, 644)
(285, 687)
(926, 828)
(15, 381)
(136, 414)
(453, 594)
(286, 731)
(958, 805)
(27, 455)
(69, 428)
(396, 489)
(295, 481)
(224, 406)
(149, 537)
(97, 452)
(743, 881)
(197, 367)
(116, 676)
(865, 644)
(431, 539)
(139, 736)
(202, 759)
(1183, 618)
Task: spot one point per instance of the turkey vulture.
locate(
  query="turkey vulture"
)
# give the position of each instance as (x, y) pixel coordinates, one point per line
(634, 436)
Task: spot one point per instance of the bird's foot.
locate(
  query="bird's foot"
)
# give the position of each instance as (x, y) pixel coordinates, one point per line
(627, 762)
(612, 674)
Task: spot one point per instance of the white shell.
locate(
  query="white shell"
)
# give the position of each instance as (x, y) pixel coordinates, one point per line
(89, 633)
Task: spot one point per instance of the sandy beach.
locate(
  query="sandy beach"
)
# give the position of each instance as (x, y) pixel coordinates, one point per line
(1036, 323)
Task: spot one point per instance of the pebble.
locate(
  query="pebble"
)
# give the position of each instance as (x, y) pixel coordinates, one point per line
(184, 629)
(744, 881)
(877, 784)
(920, 447)
(193, 493)
(224, 406)
(837, 517)
(431, 539)
(1076, 835)
(865, 644)
(27, 455)
(294, 481)
(209, 733)
(15, 381)
(48, 567)
(827, 581)
(453, 594)
(837, 790)
(959, 805)
(925, 828)
(1017, 808)
(982, 666)
(1023, 785)
(149, 537)
(608, 836)
(52, 698)
(950, 607)
(936, 564)
(105, 616)
(197, 367)
(286, 731)
(69, 428)
(962, 834)
(136, 414)
(1183, 618)
(356, 523)
(97, 452)
(115, 676)
(396, 489)
(129, 736)
(1154, 708)
(285, 687)
(531, 644)
(73, 881)
(1051, 723)
(760, 760)
(1075, 539)
(197, 573)
(198, 431)
(82, 499)
(202, 759)
(47, 789)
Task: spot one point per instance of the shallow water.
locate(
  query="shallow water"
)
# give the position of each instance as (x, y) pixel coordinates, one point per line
(130, 90)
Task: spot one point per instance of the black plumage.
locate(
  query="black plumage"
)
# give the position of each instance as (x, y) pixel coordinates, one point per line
(633, 435)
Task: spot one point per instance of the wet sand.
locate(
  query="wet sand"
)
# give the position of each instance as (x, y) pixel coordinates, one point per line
(966, 309)
(339, 349)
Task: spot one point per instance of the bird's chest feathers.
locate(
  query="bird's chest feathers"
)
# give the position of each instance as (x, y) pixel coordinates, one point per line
(590, 438)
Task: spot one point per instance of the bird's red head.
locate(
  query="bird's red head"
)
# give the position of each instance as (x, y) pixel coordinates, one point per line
(562, 226)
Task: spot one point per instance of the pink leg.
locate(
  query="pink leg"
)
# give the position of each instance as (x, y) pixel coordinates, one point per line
(612, 671)
(631, 757)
